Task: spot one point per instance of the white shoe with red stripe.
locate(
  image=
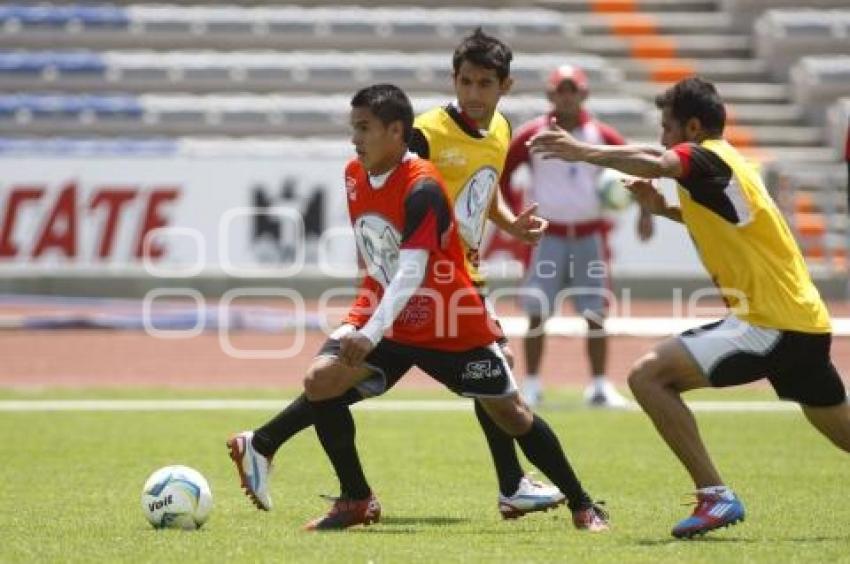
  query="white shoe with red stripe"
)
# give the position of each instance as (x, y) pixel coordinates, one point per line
(253, 468)
(529, 497)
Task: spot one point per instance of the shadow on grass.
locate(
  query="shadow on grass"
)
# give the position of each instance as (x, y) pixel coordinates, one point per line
(392, 521)
(771, 540)
(697, 540)
(408, 525)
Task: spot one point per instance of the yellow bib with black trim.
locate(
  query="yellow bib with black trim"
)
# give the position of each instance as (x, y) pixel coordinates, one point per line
(745, 243)
(470, 167)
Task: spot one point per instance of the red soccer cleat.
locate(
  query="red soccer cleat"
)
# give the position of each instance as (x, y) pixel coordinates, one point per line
(591, 518)
(346, 513)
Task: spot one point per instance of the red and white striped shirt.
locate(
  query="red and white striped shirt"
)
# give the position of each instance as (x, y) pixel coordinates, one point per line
(565, 191)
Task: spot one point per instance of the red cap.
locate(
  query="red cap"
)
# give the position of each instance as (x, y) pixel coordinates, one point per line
(567, 72)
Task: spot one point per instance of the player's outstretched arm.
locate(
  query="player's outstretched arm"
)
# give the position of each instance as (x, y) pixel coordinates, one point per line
(636, 160)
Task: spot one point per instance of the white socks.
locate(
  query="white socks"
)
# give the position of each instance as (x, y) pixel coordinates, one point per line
(599, 382)
(722, 491)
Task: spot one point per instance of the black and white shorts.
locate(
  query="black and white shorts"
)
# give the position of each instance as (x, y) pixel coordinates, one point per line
(478, 372)
(732, 352)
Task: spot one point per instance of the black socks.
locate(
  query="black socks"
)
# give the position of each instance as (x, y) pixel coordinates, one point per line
(293, 419)
(335, 428)
(543, 449)
(508, 470)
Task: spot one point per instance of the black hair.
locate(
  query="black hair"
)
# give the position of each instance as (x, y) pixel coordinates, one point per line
(388, 103)
(695, 98)
(485, 51)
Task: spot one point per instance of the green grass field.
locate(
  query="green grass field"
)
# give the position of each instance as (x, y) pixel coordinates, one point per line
(71, 483)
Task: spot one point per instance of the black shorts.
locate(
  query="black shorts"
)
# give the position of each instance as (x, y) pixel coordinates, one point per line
(478, 372)
(732, 352)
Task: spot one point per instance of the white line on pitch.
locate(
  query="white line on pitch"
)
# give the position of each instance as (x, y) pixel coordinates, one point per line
(275, 405)
(574, 326)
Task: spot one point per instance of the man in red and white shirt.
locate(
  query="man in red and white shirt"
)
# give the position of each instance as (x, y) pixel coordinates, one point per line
(572, 258)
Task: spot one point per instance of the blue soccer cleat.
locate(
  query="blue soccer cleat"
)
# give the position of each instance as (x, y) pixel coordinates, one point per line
(713, 511)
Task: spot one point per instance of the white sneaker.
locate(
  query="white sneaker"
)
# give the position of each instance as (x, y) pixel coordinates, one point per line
(532, 391)
(606, 396)
(530, 496)
(253, 468)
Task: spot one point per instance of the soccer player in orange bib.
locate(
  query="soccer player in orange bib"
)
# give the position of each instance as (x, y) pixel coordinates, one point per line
(467, 140)
(777, 326)
(415, 307)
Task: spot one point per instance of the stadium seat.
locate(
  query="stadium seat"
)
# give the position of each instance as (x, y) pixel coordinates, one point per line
(783, 36)
(247, 114)
(837, 126)
(745, 12)
(33, 16)
(287, 27)
(818, 80)
(814, 201)
(267, 71)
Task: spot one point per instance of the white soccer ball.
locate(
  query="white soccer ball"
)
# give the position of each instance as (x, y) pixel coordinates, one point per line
(177, 497)
(613, 194)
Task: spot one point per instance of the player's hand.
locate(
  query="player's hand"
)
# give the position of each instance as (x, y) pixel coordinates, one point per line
(647, 195)
(354, 347)
(645, 225)
(556, 143)
(528, 227)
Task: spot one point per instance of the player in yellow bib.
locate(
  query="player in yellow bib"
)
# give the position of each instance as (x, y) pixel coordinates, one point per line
(470, 160)
(777, 327)
(468, 139)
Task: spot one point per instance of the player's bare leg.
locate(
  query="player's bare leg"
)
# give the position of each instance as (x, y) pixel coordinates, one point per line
(533, 345)
(657, 381)
(600, 392)
(833, 422)
(328, 378)
(597, 346)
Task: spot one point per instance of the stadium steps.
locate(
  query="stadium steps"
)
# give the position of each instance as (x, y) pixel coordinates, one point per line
(246, 115)
(793, 154)
(202, 71)
(666, 6)
(657, 43)
(275, 27)
(666, 45)
(732, 92)
(766, 114)
(562, 5)
(630, 23)
(776, 135)
(714, 69)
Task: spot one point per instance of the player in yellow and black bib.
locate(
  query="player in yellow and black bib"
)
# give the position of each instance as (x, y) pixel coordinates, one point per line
(468, 141)
(471, 161)
(777, 328)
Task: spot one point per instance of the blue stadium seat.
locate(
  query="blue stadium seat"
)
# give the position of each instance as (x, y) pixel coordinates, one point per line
(57, 104)
(89, 146)
(62, 61)
(58, 16)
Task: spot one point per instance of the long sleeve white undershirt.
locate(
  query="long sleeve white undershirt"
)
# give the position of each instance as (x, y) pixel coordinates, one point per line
(407, 279)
